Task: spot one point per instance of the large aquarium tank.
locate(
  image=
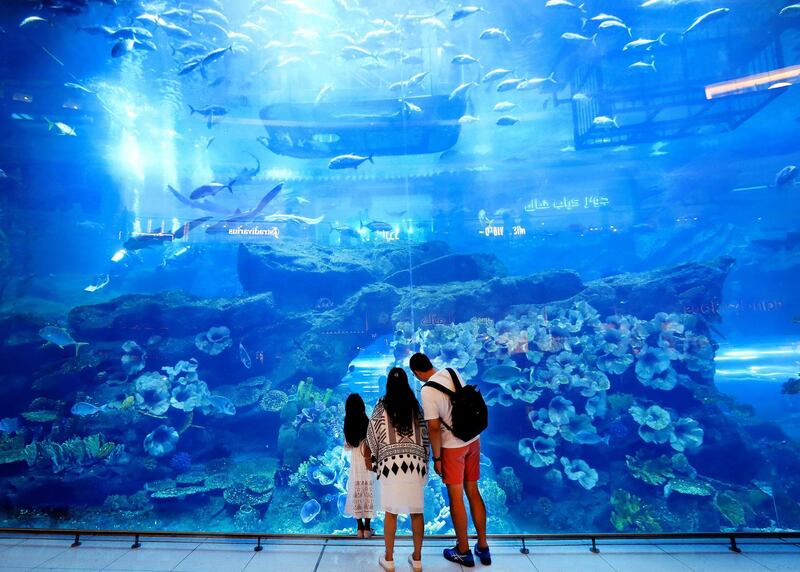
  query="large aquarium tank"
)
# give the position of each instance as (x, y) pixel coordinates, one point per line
(219, 218)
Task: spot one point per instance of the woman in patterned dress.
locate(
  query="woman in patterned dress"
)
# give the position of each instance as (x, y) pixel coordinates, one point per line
(398, 442)
(361, 481)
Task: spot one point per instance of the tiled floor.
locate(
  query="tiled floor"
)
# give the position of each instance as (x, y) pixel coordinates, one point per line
(54, 554)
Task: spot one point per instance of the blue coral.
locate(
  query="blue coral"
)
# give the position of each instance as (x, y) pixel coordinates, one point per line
(190, 396)
(181, 462)
(580, 471)
(651, 362)
(152, 393)
(538, 452)
(161, 441)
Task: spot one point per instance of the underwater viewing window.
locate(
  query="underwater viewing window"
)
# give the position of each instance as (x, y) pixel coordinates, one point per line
(220, 218)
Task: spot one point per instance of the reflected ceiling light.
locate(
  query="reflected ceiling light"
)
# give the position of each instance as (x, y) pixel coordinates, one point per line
(769, 80)
(24, 97)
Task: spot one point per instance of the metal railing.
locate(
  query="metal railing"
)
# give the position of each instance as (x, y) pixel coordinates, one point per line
(523, 539)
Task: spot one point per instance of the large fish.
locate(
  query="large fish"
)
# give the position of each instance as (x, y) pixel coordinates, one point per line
(786, 175)
(60, 337)
(462, 90)
(707, 17)
(190, 226)
(495, 74)
(247, 174)
(348, 161)
(293, 218)
(464, 60)
(377, 226)
(210, 112)
(62, 128)
(464, 11)
(214, 55)
(508, 84)
(146, 240)
(211, 189)
(204, 206)
(247, 215)
(494, 34)
(535, 82)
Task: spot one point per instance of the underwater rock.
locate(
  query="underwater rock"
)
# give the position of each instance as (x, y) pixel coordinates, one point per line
(302, 273)
(170, 314)
(450, 268)
(299, 274)
(462, 301)
(686, 288)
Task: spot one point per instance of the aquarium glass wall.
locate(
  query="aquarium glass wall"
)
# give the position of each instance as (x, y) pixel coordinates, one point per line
(219, 218)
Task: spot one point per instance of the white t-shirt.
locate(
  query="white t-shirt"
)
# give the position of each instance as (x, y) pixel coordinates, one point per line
(436, 405)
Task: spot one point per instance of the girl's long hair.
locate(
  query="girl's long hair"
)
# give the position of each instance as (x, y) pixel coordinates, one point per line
(355, 420)
(399, 402)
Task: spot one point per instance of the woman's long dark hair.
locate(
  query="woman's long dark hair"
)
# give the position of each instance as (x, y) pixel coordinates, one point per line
(399, 402)
(355, 420)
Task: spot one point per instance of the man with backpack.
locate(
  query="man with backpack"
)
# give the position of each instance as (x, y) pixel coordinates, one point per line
(456, 414)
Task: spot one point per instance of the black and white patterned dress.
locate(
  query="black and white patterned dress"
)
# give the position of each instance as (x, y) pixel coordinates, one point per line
(402, 462)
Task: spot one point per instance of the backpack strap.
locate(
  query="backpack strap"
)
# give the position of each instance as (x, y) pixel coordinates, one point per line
(454, 377)
(448, 392)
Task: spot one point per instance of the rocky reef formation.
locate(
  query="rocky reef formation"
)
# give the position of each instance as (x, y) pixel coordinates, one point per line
(605, 390)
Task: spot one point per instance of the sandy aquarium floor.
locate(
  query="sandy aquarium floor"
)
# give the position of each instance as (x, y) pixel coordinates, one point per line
(52, 553)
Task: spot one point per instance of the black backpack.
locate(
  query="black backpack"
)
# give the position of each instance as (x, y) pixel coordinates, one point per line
(470, 414)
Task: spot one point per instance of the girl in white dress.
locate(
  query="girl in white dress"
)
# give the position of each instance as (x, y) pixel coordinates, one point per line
(398, 443)
(361, 482)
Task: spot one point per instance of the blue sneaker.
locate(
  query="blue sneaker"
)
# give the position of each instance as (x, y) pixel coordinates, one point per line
(484, 555)
(463, 558)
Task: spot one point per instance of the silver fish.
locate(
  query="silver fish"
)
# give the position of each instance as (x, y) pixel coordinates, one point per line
(222, 404)
(494, 34)
(495, 74)
(210, 190)
(464, 11)
(462, 90)
(707, 17)
(348, 161)
(60, 337)
(464, 60)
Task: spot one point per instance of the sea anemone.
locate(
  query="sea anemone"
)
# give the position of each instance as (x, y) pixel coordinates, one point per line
(152, 393)
(161, 441)
(185, 371)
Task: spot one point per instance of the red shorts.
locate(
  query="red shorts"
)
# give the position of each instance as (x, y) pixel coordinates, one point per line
(461, 464)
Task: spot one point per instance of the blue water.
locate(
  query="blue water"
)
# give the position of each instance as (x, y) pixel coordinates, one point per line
(219, 218)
